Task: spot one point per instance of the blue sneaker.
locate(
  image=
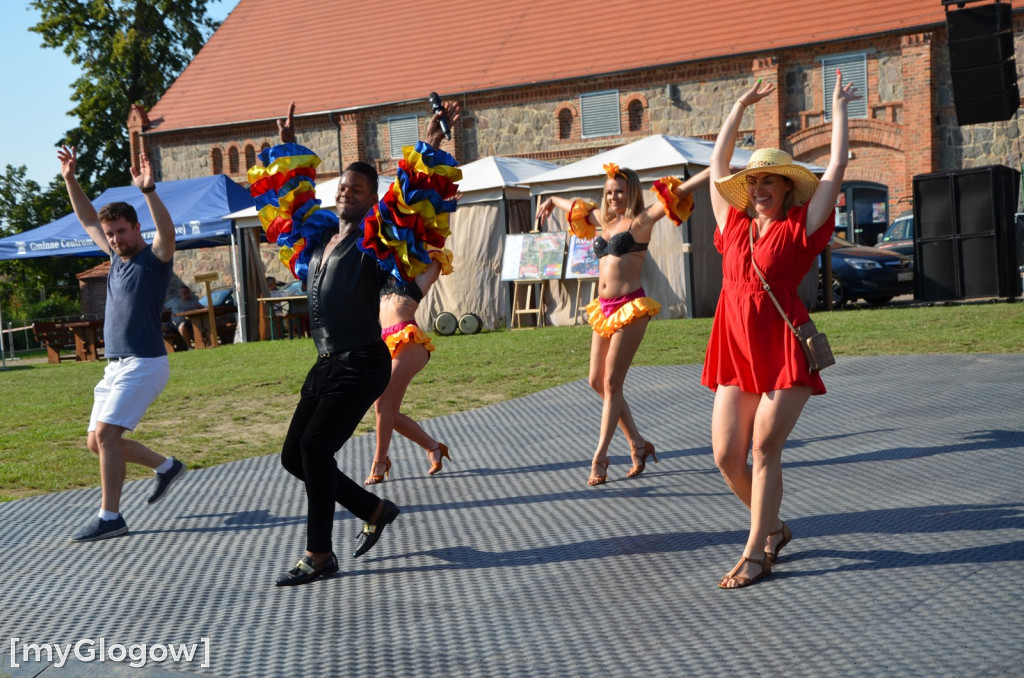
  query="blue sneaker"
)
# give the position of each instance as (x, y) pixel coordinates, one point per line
(102, 529)
(165, 480)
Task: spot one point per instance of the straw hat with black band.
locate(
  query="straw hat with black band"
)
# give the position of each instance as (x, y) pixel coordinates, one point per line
(767, 161)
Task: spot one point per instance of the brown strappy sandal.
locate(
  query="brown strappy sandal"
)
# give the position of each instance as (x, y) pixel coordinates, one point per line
(742, 582)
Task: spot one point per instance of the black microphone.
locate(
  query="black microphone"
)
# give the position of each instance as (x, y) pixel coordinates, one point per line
(435, 103)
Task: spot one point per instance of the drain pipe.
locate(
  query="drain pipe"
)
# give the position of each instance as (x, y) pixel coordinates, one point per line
(337, 125)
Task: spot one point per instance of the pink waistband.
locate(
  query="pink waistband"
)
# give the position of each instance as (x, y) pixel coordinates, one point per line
(388, 331)
(609, 306)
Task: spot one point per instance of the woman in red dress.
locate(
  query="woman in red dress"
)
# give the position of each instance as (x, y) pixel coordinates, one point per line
(754, 363)
(622, 310)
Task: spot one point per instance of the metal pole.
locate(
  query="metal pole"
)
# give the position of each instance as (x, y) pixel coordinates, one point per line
(3, 355)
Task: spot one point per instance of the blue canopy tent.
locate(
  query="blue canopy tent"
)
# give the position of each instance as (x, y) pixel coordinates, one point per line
(197, 207)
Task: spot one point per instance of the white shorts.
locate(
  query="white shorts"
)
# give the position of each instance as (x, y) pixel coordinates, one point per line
(128, 387)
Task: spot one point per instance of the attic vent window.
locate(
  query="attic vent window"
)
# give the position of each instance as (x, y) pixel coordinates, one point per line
(403, 132)
(599, 113)
(854, 68)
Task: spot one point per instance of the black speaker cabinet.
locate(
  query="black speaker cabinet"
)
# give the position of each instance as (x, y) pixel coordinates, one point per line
(982, 64)
(965, 240)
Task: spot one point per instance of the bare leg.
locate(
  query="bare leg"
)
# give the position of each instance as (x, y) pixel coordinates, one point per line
(610, 360)
(732, 425)
(115, 451)
(776, 415)
(404, 366)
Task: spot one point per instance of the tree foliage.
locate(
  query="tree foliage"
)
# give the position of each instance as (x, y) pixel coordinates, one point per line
(27, 283)
(130, 51)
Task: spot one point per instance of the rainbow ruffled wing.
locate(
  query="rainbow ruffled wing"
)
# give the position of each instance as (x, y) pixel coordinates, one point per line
(285, 192)
(407, 229)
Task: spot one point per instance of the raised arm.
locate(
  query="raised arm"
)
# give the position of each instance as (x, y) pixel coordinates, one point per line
(286, 125)
(657, 209)
(163, 240)
(545, 209)
(83, 207)
(453, 111)
(725, 145)
(823, 202)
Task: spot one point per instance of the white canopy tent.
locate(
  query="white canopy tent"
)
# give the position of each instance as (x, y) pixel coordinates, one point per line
(495, 201)
(684, 270)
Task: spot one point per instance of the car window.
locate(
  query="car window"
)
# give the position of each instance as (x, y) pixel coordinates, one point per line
(901, 229)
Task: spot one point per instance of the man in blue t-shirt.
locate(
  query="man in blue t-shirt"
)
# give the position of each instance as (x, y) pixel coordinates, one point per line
(137, 368)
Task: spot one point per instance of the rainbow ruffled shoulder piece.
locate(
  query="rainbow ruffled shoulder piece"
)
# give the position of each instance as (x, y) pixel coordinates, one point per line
(579, 224)
(678, 209)
(290, 213)
(407, 229)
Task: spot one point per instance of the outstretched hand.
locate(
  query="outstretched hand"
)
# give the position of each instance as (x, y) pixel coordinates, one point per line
(143, 177)
(843, 95)
(545, 209)
(286, 125)
(757, 92)
(453, 111)
(68, 161)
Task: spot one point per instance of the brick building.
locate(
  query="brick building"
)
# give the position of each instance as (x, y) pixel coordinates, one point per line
(563, 81)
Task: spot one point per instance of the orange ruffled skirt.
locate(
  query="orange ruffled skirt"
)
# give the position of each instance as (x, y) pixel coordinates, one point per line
(405, 334)
(631, 309)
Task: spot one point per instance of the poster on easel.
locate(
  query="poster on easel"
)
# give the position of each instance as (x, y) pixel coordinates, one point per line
(581, 261)
(533, 256)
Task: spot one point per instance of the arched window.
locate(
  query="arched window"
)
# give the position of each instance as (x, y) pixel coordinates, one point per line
(217, 161)
(564, 123)
(636, 115)
(233, 160)
(250, 156)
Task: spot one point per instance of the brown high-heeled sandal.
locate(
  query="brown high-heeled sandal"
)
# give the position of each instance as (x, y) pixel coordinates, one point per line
(596, 479)
(373, 478)
(787, 534)
(742, 582)
(638, 467)
(436, 466)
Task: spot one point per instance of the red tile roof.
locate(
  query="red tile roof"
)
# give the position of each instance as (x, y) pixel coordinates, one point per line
(330, 55)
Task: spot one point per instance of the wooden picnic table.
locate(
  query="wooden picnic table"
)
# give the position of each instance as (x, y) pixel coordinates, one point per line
(199, 318)
(266, 328)
(88, 339)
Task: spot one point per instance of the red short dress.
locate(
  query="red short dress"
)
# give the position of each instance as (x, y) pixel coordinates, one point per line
(751, 346)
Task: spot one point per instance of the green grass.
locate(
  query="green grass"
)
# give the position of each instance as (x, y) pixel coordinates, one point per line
(235, 402)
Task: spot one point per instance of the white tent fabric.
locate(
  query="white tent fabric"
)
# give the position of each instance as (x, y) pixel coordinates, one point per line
(683, 270)
(495, 201)
(326, 191)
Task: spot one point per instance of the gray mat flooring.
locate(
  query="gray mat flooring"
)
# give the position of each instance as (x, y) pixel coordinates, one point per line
(903, 488)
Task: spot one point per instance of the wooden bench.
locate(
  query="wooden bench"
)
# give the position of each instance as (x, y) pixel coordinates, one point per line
(58, 340)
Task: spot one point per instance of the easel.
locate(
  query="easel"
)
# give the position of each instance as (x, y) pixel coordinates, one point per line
(207, 278)
(530, 306)
(580, 282)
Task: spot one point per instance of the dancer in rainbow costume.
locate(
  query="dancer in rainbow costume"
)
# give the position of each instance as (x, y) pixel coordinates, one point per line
(345, 260)
(622, 310)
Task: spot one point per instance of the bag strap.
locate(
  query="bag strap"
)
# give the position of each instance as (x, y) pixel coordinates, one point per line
(766, 286)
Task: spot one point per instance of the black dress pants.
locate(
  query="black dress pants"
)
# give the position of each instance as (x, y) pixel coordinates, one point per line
(337, 392)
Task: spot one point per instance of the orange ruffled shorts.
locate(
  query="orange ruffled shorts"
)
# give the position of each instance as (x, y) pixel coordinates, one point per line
(607, 316)
(404, 334)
